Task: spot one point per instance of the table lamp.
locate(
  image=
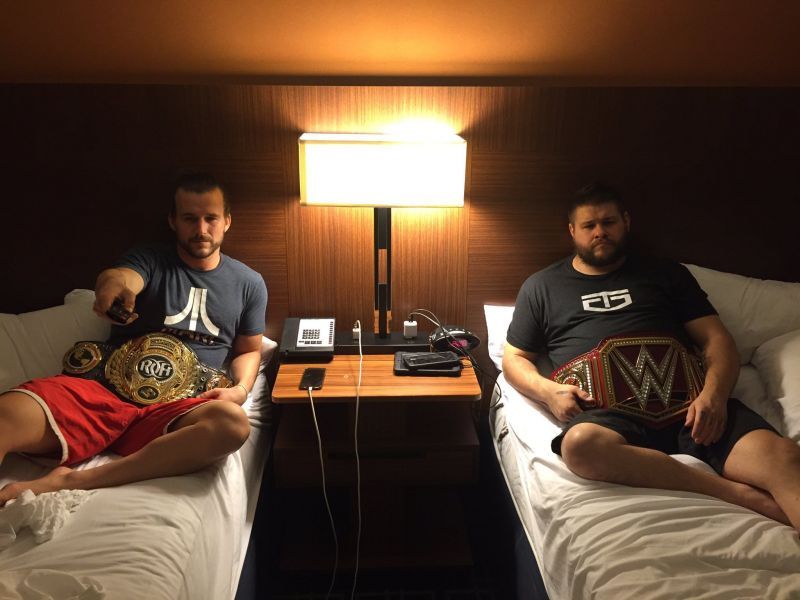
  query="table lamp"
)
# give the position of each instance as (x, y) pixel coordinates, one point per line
(382, 171)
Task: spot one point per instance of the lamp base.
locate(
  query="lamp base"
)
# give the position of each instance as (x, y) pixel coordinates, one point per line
(372, 344)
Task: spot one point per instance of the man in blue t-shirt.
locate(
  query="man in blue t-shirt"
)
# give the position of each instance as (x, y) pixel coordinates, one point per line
(570, 307)
(190, 290)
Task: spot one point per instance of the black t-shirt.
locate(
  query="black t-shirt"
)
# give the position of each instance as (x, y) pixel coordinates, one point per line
(563, 313)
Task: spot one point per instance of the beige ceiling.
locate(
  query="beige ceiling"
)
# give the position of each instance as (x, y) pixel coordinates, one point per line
(645, 42)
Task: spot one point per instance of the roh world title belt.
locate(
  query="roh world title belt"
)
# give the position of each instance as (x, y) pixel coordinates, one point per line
(151, 369)
(653, 378)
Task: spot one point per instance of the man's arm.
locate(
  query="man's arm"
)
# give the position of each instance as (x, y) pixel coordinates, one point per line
(521, 372)
(708, 414)
(243, 370)
(120, 282)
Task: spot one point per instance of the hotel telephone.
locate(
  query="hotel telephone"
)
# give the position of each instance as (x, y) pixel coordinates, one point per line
(304, 339)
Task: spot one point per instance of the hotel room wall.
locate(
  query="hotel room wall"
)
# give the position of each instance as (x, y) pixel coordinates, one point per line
(709, 173)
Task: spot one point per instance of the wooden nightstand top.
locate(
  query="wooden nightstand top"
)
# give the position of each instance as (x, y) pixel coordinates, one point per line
(378, 383)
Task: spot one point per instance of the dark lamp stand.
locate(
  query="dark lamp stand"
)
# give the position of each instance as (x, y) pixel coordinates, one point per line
(383, 271)
(381, 340)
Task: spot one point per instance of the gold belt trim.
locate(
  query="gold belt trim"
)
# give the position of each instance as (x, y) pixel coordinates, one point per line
(653, 378)
(152, 369)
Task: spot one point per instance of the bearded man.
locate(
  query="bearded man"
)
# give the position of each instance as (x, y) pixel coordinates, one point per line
(623, 333)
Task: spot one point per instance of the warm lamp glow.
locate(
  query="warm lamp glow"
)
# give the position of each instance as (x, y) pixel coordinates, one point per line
(382, 170)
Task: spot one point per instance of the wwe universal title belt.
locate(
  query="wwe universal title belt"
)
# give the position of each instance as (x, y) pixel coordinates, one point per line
(653, 378)
(151, 369)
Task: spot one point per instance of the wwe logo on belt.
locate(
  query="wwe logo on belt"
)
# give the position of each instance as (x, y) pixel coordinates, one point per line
(196, 306)
(602, 301)
(647, 374)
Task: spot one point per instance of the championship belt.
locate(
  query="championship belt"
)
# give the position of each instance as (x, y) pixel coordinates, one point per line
(151, 369)
(653, 378)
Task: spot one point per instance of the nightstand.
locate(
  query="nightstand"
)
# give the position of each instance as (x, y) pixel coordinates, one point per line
(417, 444)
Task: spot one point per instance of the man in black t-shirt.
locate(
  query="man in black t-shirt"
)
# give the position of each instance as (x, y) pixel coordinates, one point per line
(601, 291)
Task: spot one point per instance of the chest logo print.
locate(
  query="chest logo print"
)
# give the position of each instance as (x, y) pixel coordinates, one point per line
(195, 307)
(607, 301)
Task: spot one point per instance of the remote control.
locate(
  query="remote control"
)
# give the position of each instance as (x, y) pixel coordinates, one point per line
(118, 313)
(430, 359)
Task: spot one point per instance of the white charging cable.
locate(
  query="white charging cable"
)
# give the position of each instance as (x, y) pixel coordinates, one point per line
(357, 330)
(430, 316)
(325, 495)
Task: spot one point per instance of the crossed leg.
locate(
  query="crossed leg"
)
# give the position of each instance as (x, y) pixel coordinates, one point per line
(196, 440)
(596, 452)
(770, 462)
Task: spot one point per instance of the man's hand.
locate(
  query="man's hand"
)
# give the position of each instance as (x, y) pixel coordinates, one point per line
(708, 414)
(117, 284)
(707, 417)
(235, 394)
(243, 368)
(564, 401)
(104, 302)
(568, 401)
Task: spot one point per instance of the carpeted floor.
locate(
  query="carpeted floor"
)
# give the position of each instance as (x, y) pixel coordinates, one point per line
(392, 585)
(489, 577)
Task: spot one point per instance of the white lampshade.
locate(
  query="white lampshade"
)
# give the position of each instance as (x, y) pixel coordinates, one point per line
(344, 169)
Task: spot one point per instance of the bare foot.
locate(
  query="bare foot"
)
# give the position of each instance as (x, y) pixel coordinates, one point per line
(53, 481)
(761, 502)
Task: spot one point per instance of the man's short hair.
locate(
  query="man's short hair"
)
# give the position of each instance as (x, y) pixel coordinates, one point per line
(198, 182)
(595, 194)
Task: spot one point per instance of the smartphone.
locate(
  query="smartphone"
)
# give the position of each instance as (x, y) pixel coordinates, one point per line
(312, 378)
(416, 360)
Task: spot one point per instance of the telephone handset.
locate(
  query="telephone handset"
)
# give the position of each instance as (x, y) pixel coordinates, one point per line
(307, 338)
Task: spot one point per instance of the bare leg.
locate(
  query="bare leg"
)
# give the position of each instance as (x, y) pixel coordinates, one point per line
(765, 460)
(24, 426)
(201, 437)
(598, 453)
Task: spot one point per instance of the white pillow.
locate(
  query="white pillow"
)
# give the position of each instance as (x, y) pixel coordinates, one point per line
(778, 362)
(753, 310)
(43, 336)
(498, 318)
(752, 391)
(259, 402)
(77, 296)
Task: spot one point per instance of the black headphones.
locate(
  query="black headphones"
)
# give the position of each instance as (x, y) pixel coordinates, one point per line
(453, 337)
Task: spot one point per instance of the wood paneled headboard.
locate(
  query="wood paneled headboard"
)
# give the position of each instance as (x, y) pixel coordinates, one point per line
(708, 173)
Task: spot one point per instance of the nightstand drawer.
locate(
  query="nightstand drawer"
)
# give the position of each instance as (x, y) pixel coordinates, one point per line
(433, 444)
(299, 467)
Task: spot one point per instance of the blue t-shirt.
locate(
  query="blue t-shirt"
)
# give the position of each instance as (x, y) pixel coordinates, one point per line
(562, 313)
(205, 309)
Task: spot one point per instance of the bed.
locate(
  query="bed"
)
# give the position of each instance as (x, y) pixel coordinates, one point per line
(599, 540)
(172, 538)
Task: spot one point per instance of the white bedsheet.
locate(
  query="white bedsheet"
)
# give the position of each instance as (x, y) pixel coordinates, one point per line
(171, 538)
(178, 538)
(599, 540)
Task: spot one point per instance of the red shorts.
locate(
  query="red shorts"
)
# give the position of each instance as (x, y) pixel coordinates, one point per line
(88, 418)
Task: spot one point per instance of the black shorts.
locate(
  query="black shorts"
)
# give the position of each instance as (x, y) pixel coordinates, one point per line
(674, 438)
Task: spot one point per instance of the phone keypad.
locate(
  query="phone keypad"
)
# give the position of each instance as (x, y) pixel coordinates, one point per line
(311, 336)
(315, 334)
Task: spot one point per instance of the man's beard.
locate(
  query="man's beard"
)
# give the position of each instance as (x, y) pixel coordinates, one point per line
(199, 252)
(587, 255)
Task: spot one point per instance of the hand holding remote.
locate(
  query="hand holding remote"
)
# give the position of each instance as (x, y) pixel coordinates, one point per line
(118, 313)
